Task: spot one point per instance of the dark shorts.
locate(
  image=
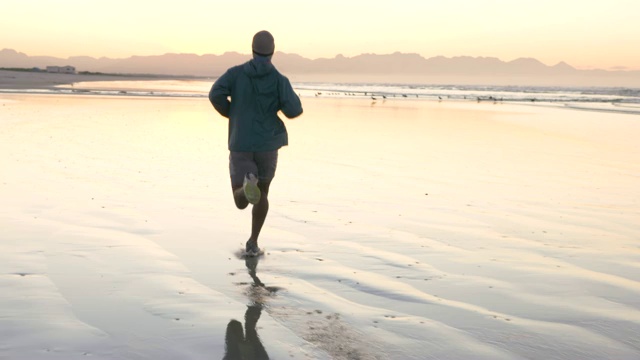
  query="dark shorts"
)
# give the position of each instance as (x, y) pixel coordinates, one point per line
(261, 163)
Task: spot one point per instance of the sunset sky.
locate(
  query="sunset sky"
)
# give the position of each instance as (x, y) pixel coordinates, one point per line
(585, 34)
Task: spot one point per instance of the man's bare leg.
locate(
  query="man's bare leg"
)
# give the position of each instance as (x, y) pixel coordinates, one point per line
(239, 198)
(259, 212)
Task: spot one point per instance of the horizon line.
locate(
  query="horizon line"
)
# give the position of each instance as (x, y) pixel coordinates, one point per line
(615, 68)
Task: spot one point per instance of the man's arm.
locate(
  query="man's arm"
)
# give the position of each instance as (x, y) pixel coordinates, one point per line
(219, 95)
(289, 100)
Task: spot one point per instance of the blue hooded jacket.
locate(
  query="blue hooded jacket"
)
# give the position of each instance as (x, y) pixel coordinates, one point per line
(257, 91)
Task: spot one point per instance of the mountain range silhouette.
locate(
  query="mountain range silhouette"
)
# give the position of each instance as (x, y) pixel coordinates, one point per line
(397, 67)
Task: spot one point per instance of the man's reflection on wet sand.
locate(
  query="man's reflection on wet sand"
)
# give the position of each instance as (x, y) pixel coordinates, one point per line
(246, 344)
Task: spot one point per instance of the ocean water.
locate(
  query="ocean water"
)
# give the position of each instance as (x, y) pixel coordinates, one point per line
(610, 99)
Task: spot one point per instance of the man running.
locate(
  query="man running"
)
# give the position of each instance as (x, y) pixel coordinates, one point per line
(250, 95)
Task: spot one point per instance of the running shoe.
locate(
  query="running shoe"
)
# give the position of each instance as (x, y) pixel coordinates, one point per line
(251, 189)
(251, 248)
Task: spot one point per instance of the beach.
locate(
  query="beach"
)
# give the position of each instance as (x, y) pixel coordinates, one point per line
(398, 229)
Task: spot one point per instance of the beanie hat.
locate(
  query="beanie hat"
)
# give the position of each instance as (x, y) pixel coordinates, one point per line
(263, 43)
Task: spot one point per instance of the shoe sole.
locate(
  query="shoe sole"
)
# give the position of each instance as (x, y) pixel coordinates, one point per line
(252, 193)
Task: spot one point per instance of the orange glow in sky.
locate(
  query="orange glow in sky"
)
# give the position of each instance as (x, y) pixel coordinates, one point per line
(585, 34)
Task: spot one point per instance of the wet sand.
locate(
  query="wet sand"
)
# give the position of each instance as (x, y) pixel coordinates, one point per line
(397, 230)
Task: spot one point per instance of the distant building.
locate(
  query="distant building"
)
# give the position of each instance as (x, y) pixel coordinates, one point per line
(61, 69)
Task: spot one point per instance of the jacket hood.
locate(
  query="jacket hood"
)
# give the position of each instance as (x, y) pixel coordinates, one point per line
(256, 69)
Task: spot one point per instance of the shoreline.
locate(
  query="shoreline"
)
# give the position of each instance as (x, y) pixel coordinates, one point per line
(26, 80)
